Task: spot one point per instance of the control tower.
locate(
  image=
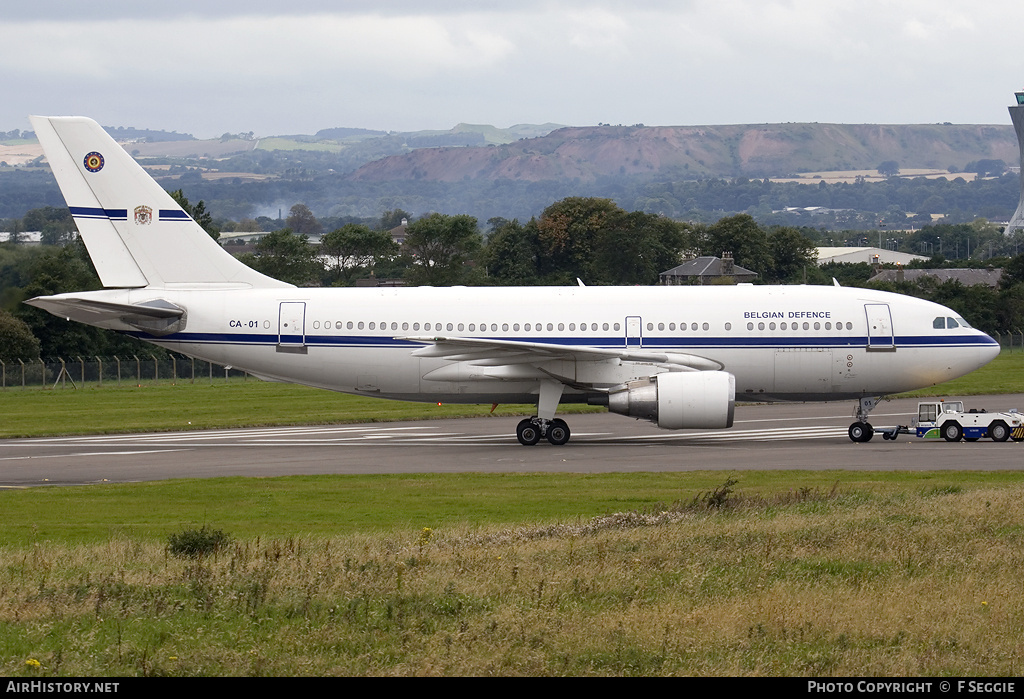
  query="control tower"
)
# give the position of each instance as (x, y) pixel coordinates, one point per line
(1017, 117)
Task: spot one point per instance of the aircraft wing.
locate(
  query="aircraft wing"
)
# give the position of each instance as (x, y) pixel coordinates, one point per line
(500, 353)
(156, 317)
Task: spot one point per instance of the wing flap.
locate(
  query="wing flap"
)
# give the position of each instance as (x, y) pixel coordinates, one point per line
(491, 352)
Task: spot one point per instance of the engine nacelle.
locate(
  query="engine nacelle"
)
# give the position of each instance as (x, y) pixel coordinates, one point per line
(680, 400)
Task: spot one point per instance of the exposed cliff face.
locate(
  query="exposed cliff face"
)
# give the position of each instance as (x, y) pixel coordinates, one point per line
(721, 151)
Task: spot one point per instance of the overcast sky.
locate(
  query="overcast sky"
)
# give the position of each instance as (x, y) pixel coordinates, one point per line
(211, 66)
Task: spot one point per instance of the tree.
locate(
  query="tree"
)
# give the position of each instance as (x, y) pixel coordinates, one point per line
(354, 247)
(512, 253)
(634, 248)
(567, 232)
(792, 253)
(302, 221)
(741, 236)
(198, 213)
(16, 339)
(890, 168)
(393, 219)
(441, 246)
(285, 256)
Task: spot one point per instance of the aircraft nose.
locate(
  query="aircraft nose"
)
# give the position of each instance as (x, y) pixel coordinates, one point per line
(989, 350)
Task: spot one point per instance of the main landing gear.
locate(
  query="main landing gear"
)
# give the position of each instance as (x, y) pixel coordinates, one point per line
(862, 431)
(530, 431)
(545, 424)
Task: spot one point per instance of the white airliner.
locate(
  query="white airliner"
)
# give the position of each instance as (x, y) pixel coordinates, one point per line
(678, 356)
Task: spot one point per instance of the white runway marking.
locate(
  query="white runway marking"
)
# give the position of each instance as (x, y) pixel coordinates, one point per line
(372, 435)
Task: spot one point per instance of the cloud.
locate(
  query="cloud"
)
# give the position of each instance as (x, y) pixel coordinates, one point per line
(306, 64)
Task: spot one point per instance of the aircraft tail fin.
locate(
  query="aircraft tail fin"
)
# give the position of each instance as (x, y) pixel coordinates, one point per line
(136, 234)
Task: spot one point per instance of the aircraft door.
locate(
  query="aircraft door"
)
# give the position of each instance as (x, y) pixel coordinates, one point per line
(634, 332)
(880, 333)
(291, 329)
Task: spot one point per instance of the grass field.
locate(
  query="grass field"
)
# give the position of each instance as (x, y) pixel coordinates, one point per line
(782, 573)
(888, 575)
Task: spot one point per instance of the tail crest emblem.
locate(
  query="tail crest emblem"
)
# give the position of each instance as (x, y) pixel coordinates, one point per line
(94, 161)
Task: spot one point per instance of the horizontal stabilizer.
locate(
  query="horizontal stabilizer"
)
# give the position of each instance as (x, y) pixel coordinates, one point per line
(156, 317)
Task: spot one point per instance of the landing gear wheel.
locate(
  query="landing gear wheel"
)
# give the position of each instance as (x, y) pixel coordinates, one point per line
(861, 432)
(999, 431)
(952, 432)
(528, 433)
(558, 432)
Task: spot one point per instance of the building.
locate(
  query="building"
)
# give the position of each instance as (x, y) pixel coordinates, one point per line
(705, 270)
(967, 277)
(873, 256)
(1017, 117)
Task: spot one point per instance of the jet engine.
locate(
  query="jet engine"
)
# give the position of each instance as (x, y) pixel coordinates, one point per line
(679, 400)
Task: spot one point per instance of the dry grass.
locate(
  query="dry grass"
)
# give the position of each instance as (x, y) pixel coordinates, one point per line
(812, 583)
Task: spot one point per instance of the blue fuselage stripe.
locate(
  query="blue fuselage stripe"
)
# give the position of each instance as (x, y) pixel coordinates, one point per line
(675, 343)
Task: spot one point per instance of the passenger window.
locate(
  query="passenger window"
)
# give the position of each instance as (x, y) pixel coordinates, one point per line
(350, 325)
(572, 327)
(472, 327)
(550, 327)
(616, 326)
(760, 326)
(771, 326)
(750, 326)
(650, 326)
(693, 326)
(782, 326)
(450, 327)
(372, 326)
(604, 326)
(728, 326)
(706, 326)
(460, 327)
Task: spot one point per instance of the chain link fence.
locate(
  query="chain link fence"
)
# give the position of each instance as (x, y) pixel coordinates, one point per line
(75, 372)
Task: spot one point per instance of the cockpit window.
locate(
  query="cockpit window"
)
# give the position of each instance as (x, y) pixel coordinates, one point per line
(963, 323)
(939, 323)
(950, 323)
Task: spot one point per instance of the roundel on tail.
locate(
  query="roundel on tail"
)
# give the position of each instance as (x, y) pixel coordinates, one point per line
(93, 161)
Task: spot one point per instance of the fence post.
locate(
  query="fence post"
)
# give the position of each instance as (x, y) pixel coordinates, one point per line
(174, 369)
(42, 365)
(4, 369)
(138, 369)
(100, 363)
(118, 360)
(193, 370)
(22, 373)
(82, 362)
(156, 367)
